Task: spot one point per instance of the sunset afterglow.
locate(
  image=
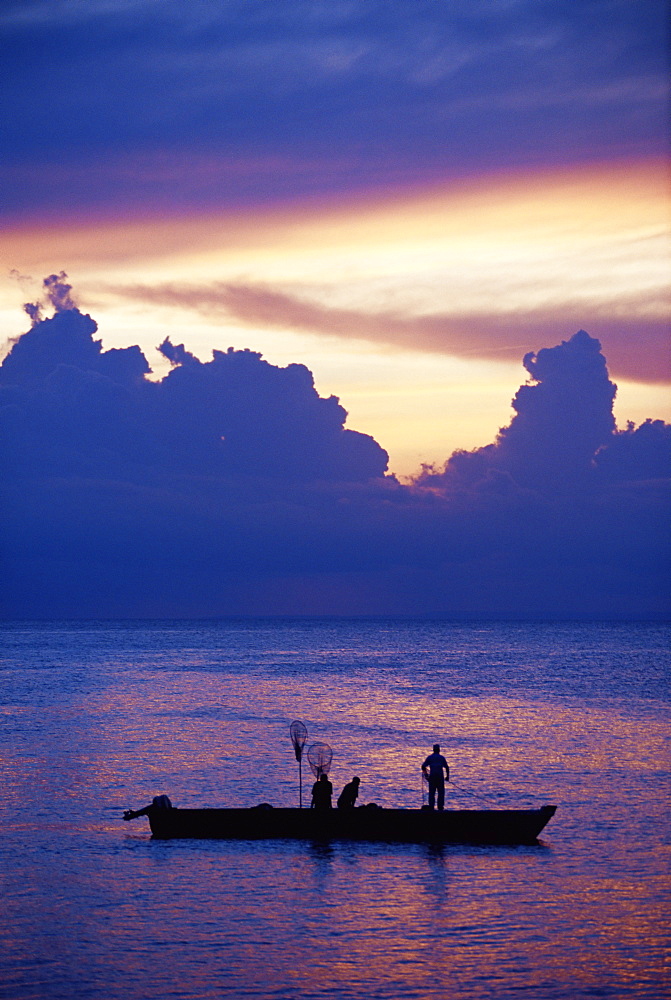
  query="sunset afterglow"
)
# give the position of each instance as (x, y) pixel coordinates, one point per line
(335, 452)
(353, 274)
(419, 304)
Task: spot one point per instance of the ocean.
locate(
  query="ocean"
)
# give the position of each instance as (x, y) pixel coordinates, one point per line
(98, 717)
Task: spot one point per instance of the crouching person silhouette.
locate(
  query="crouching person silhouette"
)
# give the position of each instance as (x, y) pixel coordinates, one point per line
(349, 794)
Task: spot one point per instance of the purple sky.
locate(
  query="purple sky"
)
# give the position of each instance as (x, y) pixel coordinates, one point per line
(166, 105)
(303, 145)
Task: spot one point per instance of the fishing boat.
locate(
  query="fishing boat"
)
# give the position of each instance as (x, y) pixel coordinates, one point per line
(366, 823)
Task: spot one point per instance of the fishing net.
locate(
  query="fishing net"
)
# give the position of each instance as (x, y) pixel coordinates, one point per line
(320, 756)
(298, 734)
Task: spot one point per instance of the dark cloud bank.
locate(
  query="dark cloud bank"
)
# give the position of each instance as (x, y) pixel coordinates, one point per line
(232, 487)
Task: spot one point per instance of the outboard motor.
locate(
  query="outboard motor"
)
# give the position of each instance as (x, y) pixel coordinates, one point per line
(158, 802)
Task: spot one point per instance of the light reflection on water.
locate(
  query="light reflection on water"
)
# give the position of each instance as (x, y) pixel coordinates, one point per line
(100, 718)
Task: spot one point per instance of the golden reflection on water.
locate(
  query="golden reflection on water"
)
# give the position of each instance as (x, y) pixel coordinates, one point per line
(584, 916)
(407, 921)
(208, 738)
(227, 738)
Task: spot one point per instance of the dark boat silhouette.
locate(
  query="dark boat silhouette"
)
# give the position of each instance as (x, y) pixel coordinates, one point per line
(371, 823)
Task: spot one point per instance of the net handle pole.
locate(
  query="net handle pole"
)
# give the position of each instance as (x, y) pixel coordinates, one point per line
(469, 791)
(300, 782)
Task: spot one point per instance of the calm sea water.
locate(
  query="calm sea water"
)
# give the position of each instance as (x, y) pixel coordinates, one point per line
(99, 717)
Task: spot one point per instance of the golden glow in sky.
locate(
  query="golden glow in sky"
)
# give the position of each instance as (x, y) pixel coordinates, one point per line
(415, 309)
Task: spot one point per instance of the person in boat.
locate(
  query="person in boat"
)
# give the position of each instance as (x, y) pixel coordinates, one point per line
(322, 790)
(349, 794)
(432, 769)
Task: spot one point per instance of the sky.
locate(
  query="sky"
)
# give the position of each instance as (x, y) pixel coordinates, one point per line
(387, 210)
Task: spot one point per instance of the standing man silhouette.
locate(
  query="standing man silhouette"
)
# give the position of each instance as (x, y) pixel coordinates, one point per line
(432, 769)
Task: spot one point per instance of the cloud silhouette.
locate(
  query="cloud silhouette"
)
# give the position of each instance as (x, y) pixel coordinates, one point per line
(236, 414)
(562, 421)
(58, 292)
(231, 486)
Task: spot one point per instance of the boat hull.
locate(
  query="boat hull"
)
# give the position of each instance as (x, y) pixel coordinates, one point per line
(491, 826)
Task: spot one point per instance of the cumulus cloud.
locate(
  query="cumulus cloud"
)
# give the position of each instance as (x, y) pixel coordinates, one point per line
(231, 486)
(563, 418)
(234, 414)
(57, 292)
(175, 353)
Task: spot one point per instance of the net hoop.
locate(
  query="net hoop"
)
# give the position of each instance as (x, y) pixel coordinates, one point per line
(298, 734)
(320, 756)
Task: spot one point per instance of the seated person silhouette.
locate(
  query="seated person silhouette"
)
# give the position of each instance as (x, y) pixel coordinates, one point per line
(349, 794)
(322, 790)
